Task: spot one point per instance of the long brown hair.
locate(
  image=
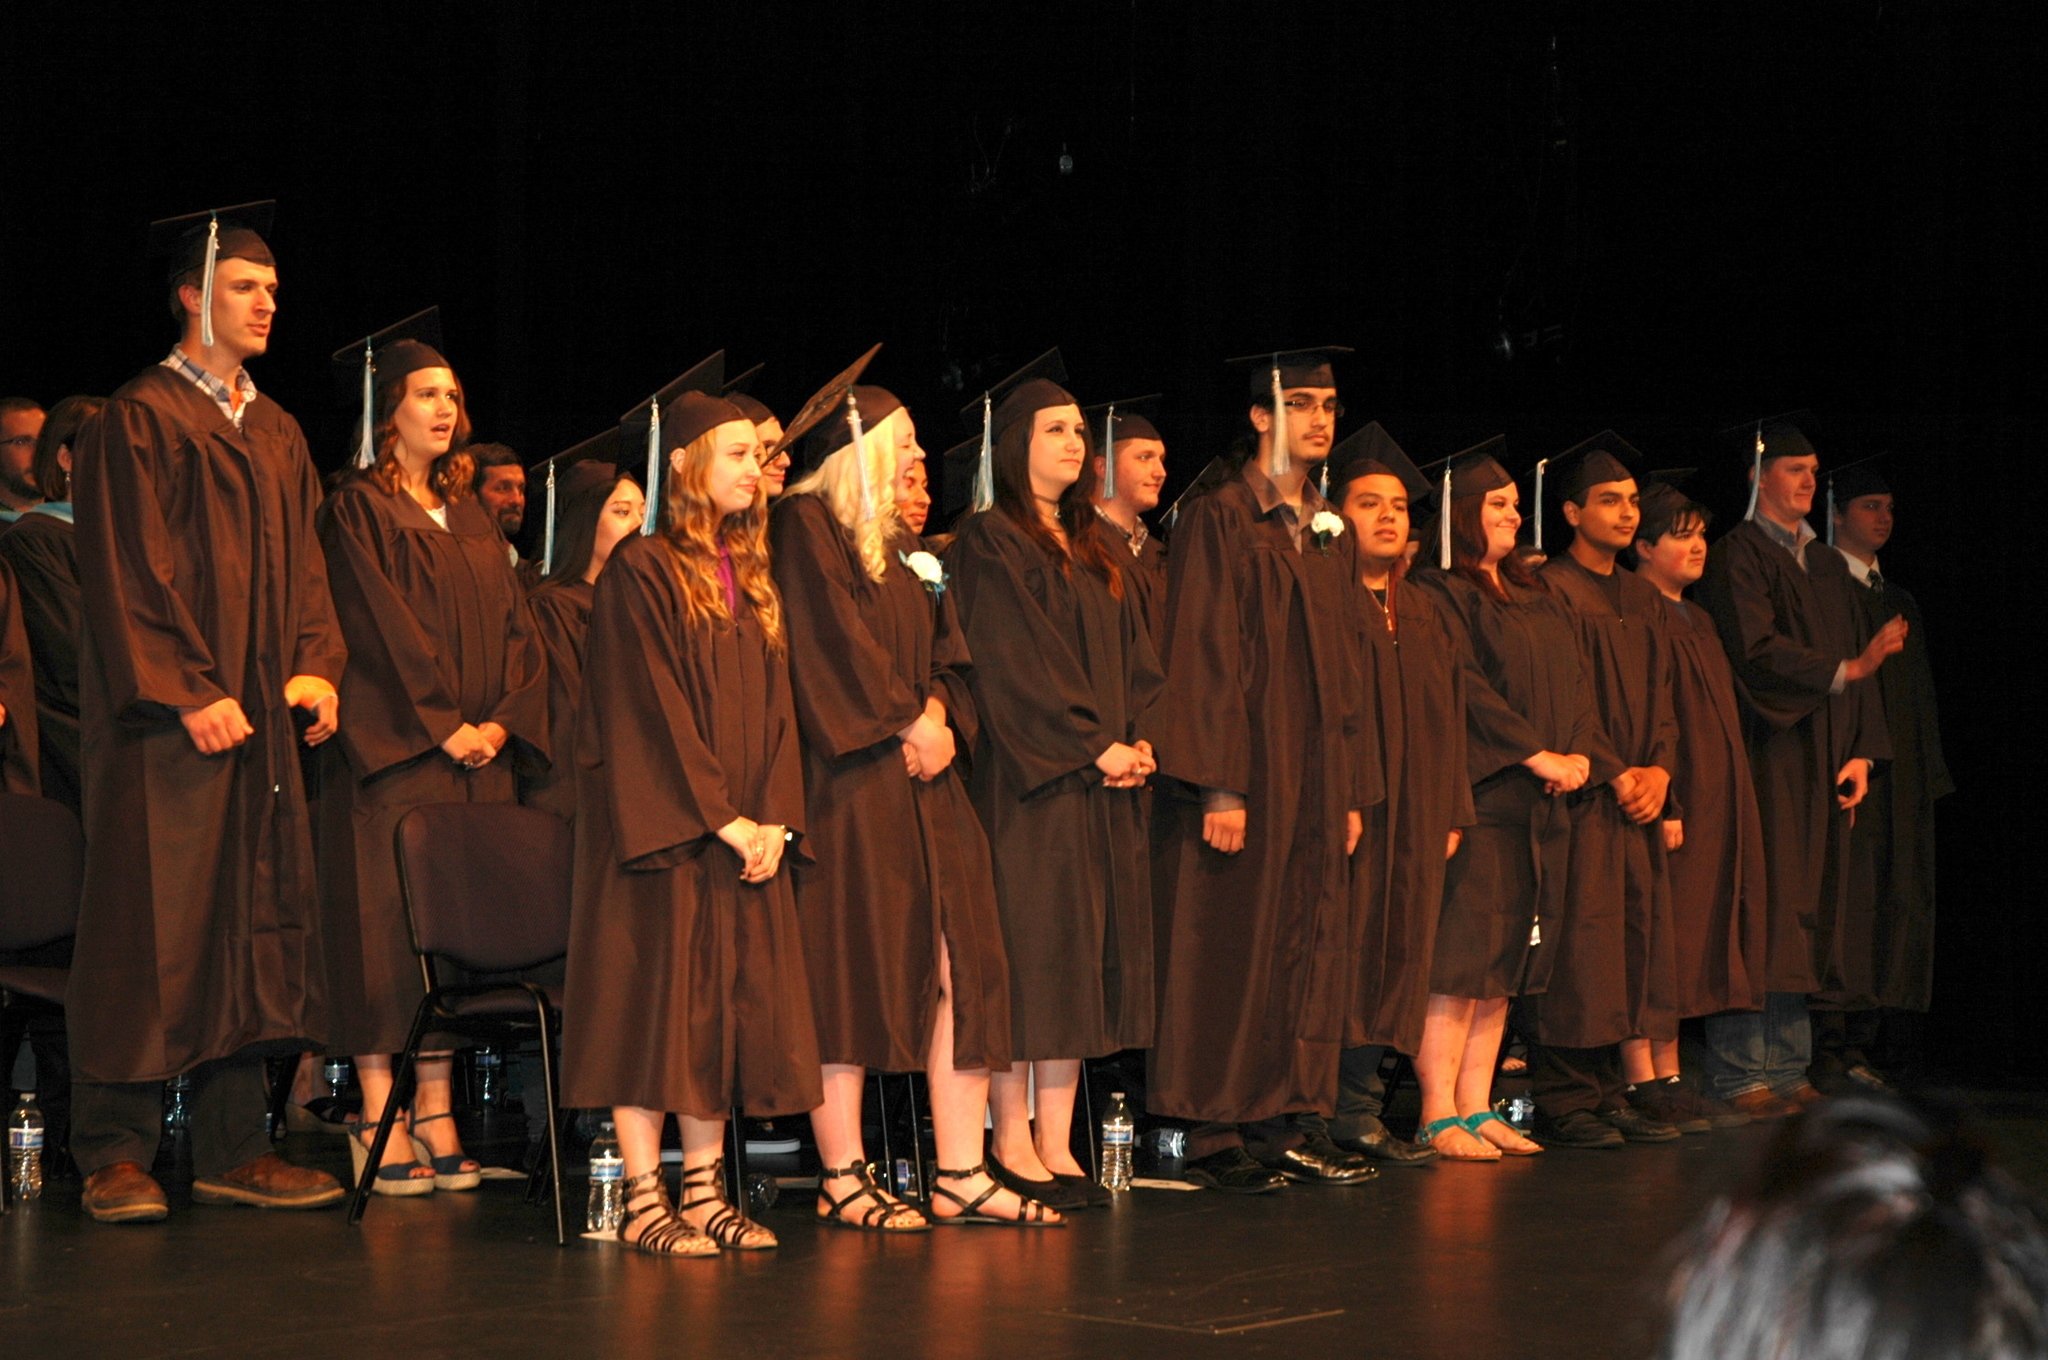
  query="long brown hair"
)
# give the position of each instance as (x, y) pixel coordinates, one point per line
(60, 431)
(1011, 465)
(693, 529)
(452, 474)
(1468, 549)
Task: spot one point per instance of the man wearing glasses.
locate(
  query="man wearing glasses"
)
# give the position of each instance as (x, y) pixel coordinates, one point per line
(21, 420)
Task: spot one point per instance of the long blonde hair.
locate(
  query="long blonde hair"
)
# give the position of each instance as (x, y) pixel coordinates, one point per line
(693, 529)
(837, 481)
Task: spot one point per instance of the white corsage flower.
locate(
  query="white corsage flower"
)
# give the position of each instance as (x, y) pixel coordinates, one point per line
(927, 569)
(1326, 526)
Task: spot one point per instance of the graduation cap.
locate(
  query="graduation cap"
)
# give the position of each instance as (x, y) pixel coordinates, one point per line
(572, 473)
(957, 475)
(1214, 474)
(1779, 436)
(1130, 418)
(1864, 477)
(1272, 374)
(403, 347)
(838, 414)
(671, 418)
(750, 406)
(196, 242)
(1030, 389)
(1470, 472)
(1369, 451)
(1606, 457)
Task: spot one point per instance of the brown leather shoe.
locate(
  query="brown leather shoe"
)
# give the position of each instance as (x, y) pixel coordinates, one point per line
(1804, 1096)
(269, 1182)
(124, 1193)
(1762, 1103)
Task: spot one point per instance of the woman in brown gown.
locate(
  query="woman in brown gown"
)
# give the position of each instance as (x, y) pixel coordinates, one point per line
(686, 991)
(444, 691)
(600, 510)
(901, 935)
(1064, 682)
(1530, 738)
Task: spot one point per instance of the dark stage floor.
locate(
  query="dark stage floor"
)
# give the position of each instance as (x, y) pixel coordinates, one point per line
(1546, 1256)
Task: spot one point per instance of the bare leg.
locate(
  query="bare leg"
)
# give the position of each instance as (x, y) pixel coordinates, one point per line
(704, 1201)
(1475, 1073)
(306, 1083)
(1059, 1084)
(1637, 1066)
(1446, 1027)
(1010, 1097)
(1663, 1058)
(373, 1077)
(959, 1100)
(640, 1148)
(434, 1094)
(836, 1126)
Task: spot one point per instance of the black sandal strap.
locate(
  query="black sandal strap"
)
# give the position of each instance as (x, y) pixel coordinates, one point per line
(876, 1216)
(728, 1226)
(667, 1231)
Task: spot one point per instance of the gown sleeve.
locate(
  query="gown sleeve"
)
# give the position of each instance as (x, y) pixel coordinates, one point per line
(1205, 738)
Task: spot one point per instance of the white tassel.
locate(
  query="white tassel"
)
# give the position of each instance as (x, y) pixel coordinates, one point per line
(547, 543)
(1540, 465)
(653, 467)
(1443, 519)
(206, 284)
(1756, 472)
(1109, 454)
(366, 441)
(985, 471)
(860, 459)
(1277, 462)
(1831, 512)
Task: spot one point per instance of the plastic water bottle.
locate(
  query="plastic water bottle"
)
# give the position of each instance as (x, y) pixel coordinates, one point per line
(1518, 1111)
(334, 1071)
(607, 1182)
(25, 1150)
(1119, 1132)
(177, 1109)
(490, 1073)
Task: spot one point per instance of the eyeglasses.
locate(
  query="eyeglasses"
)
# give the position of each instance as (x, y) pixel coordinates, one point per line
(1302, 406)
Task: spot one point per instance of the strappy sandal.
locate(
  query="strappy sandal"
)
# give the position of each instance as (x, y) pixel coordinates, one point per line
(1031, 1214)
(392, 1178)
(884, 1215)
(1427, 1136)
(1474, 1122)
(667, 1235)
(728, 1227)
(456, 1171)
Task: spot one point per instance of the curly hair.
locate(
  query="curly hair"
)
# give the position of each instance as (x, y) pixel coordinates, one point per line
(453, 473)
(693, 530)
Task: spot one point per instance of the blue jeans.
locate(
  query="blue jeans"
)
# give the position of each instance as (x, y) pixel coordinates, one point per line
(1751, 1050)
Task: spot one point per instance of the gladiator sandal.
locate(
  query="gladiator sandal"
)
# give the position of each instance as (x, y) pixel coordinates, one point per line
(885, 1214)
(727, 1226)
(667, 1235)
(1031, 1213)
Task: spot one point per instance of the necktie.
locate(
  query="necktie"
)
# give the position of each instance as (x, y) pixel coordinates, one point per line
(1876, 581)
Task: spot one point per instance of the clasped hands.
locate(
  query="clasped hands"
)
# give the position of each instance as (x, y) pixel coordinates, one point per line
(759, 846)
(222, 725)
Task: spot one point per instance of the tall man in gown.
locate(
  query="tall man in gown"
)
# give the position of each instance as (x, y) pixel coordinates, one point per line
(1802, 652)
(1265, 736)
(207, 630)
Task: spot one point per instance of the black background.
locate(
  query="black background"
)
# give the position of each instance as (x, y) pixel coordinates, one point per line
(1682, 215)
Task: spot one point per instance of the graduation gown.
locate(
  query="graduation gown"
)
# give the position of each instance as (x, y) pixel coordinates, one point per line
(1144, 574)
(1397, 872)
(438, 636)
(199, 579)
(1892, 843)
(1264, 699)
(686, 987)
(20, 747)
(1616, 971)
(1506, 904)
(561, 622)
(1063, 668)
(1719, 882)
(42, 548)
(1785, 632)
(900, 863)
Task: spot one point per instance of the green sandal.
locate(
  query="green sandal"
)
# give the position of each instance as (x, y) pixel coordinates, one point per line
(1474, 1122)
(1427, 1135)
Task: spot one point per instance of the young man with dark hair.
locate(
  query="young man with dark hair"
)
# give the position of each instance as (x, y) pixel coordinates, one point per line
(1264, 718)
(21, 421)
(1892, 843)
(1802, 651)
(208, 629)
(1131, 475)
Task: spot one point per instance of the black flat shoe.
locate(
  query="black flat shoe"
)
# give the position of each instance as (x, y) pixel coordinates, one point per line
(1094, 1194)
(1637, 1127)
(1379, 1145)
(1578, 1129)
(1232, 1171)
(1054, 1194)
(1318, 1161)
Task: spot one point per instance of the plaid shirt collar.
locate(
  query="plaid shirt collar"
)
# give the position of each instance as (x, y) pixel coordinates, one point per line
(233, 401)
(1135, 538)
